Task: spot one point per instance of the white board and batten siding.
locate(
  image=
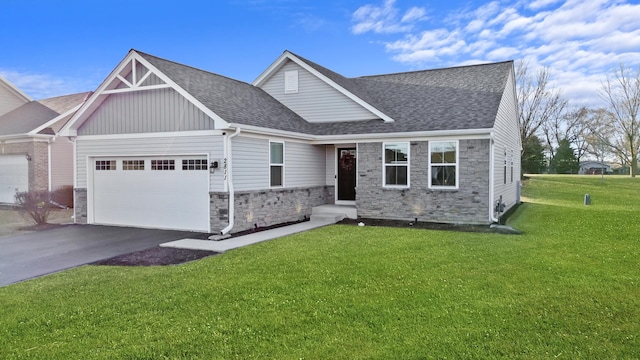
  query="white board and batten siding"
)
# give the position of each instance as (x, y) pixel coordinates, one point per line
(159, 110)
(304, 164)
(507, 137)
(314, 100)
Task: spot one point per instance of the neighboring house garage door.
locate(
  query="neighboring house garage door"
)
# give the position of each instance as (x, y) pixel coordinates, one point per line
(169, 192)
(14, 175)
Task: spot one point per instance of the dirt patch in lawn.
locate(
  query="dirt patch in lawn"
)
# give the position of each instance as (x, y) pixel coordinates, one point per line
(156, 256)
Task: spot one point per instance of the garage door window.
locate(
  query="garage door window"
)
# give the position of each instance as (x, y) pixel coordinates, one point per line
(194, 164)
(133, 165)
(163, 165)
(105, 164)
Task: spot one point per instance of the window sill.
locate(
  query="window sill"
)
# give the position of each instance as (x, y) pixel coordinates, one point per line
(395, 187)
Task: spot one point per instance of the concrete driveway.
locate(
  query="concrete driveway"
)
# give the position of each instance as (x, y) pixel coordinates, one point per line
(39, 253)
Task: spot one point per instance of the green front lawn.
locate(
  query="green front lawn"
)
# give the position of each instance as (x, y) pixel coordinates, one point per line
(568, 288)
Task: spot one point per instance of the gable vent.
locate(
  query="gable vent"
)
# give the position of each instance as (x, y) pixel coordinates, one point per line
(291, 82)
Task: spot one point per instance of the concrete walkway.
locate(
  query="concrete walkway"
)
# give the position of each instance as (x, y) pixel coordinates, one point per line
(240, 241)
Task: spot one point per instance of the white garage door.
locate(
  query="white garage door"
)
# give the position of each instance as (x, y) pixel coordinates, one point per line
(170, 192)
(14, 175)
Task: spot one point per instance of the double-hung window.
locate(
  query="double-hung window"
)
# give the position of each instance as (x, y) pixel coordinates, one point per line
(443, 164)
(396, 164)
(276, 164)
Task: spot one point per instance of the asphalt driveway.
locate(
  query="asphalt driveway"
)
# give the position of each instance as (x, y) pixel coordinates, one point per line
(39, 253)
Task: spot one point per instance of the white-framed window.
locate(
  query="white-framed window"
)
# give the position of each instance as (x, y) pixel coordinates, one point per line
(505, 166)
(395, 157)
(132, 164)
(511, 165)
(291, 82)
(163, 165)
(194, 164)
(276, 164)
(105, 164)
(443, 164)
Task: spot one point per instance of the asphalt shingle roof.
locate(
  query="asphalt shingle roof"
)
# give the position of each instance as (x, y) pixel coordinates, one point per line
(456, 98)
(34, 114)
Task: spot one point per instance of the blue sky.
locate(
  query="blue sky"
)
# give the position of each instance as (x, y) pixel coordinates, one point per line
(51, 48)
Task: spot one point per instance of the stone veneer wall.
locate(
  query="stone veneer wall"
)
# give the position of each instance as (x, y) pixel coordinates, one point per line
(80, 206)
(468, 204)
(38, 166)
(266, 207)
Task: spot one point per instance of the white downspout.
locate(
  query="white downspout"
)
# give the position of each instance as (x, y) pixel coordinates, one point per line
(491, 176)
(228, 178)
(50, 178)
(72, 140)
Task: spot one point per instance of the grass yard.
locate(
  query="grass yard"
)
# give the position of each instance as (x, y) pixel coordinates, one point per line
(567, 288)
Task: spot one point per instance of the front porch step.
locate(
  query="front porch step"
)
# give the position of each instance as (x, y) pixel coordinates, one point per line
(336, 212)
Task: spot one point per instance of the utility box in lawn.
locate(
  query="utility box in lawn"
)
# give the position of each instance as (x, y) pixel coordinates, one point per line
(587, 199)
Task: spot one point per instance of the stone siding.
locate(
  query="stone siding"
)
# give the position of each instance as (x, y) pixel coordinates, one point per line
(80, 206)
(266, 207)
(468, 204)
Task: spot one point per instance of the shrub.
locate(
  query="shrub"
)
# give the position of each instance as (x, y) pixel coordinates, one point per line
(36, 204)
(63, 196)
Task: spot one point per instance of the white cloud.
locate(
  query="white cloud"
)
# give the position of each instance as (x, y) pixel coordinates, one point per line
(579, 40)
(42, 86)
(385, 18)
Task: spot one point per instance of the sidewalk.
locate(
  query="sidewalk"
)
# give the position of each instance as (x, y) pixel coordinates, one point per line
(240, 241)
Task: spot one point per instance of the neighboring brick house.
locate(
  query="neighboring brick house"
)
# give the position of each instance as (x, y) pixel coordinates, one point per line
(164, 145)
(32, 156)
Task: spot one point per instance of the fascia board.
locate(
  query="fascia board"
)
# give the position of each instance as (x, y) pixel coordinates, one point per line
(262, 78)
(54, 120)
(71, 128)
(15, 90)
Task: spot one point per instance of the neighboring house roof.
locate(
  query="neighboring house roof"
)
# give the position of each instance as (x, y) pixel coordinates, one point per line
(35, 117)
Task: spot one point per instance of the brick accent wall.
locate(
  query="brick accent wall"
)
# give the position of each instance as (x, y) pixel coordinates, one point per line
(468, 204)
(38, 166)
(266, 207)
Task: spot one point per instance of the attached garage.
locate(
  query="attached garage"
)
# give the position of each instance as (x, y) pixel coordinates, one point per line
(166, 192)
(14, 176)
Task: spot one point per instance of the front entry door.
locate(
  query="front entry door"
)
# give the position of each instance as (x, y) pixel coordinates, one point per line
(346, 174)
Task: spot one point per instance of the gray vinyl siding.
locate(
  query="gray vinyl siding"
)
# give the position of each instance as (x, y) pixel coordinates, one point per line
(250, 163)
(330, 162)
(507, 136)
(159, 110)
(305, 165)
(315, 100)
(61, 163)
(184, 145)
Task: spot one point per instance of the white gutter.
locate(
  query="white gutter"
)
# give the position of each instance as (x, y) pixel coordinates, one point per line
(491, 176)
(228, 178)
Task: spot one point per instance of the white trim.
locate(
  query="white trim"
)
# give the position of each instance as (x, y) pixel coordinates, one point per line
(171, 134)
(136, 88)
(287, 55)
(55, 120)
(277, 164)
(18, 138)
(457, 167)
(384, 165)
(11, 87)
(272, 132)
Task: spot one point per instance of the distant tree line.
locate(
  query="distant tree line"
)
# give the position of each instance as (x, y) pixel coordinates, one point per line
(556, 137)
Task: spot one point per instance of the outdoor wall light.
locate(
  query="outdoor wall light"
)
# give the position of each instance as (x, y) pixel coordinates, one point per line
(214, 165)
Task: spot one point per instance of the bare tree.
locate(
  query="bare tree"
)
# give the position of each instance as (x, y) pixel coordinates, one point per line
(572, 126)
(620, 126)
(537, 103)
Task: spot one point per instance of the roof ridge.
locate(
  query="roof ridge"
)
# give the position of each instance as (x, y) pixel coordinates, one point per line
(436, 69)
(190, 67)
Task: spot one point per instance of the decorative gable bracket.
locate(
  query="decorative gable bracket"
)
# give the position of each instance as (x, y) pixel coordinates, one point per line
(134, 76)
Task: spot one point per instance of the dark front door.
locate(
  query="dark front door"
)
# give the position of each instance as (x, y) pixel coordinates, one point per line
(346, 174)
